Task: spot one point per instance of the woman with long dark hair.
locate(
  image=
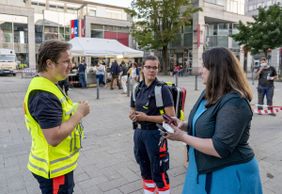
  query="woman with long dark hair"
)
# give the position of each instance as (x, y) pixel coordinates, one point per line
(220, 158)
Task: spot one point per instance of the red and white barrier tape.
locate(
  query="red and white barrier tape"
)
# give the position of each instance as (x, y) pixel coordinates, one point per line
(266, 109)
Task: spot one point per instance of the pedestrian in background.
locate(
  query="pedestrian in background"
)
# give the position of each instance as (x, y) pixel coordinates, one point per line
(53, 121)
(124, 77)
(100, 71)
(151, 156)
(134, 74)
(64, 85)
(220, 158)
(266, 75)
(115, 70)
(81, 73)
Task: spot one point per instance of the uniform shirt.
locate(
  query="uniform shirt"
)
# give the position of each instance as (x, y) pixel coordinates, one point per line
(45, 108)
(146, 102)
(270, 71)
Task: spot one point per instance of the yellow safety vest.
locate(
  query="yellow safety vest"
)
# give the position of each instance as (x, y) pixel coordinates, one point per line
(45, 160)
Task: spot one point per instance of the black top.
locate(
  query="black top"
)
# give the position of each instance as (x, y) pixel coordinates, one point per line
(81, 68)
(115, 69)
(124, 70)
(45, 108)
(262, 81)
(146, 102)
(227, 123)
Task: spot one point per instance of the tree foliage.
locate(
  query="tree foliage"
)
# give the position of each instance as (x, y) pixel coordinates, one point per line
(264, 33)
(156, 22)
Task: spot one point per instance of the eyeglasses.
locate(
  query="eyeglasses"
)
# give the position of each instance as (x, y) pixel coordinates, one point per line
(151, 67)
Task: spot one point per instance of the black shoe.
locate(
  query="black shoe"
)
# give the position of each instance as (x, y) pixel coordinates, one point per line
(112, 88)
(272, 114)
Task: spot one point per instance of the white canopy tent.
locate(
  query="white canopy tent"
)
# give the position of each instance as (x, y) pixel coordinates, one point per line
(98, 47)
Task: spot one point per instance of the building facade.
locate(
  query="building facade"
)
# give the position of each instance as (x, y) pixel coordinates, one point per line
(253, 5)
(25, 24)
(252, 10)
(211, 28)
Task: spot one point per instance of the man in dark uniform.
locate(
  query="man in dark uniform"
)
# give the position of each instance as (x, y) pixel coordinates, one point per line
(152, 158)
(266, 75)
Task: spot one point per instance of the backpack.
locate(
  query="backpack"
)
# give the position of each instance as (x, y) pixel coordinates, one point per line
(178, 95)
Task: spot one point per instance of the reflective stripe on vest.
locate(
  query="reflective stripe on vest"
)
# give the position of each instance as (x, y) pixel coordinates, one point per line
(157, 92)
(158, 96)
(45, 160)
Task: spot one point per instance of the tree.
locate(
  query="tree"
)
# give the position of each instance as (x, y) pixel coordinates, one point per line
(264, 33)
(156, 23)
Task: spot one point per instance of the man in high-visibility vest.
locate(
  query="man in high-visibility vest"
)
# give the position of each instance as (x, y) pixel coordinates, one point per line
(53, 121)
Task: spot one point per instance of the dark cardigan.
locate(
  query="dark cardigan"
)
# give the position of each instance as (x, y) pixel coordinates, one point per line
(227, 123)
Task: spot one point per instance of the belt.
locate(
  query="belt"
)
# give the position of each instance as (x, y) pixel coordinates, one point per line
(149, 127)
(144, 127)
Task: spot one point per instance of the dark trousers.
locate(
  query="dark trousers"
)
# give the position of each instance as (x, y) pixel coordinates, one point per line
(265, 91)
(64, 84)
(153, 162)
(82, 80)
(59, 185)
(101, 79)
(115, 77)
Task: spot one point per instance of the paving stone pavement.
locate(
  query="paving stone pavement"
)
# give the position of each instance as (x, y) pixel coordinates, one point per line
(106, 163)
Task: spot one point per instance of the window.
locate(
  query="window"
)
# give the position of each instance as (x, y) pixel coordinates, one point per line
(217, 2)
(220, 2)
(188, 40)
(50, 32)
(20, 33)
(109, 28)
(177, 41)
(92, 12)
(113, 14)
(6, 34)
(188, 28)
(38, 34)
(97, 34)
(212, 30)
(222, 41)
(223, 29)
(97, 26)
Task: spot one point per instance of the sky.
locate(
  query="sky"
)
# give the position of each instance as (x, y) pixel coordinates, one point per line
(121, 3)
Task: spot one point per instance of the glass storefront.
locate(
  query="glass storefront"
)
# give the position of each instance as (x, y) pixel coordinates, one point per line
(177, 41)
(14, 35)
(6, 32)
(218, 35)
(20, 33)
(51, 32)
(38, 34)
(188, 36)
